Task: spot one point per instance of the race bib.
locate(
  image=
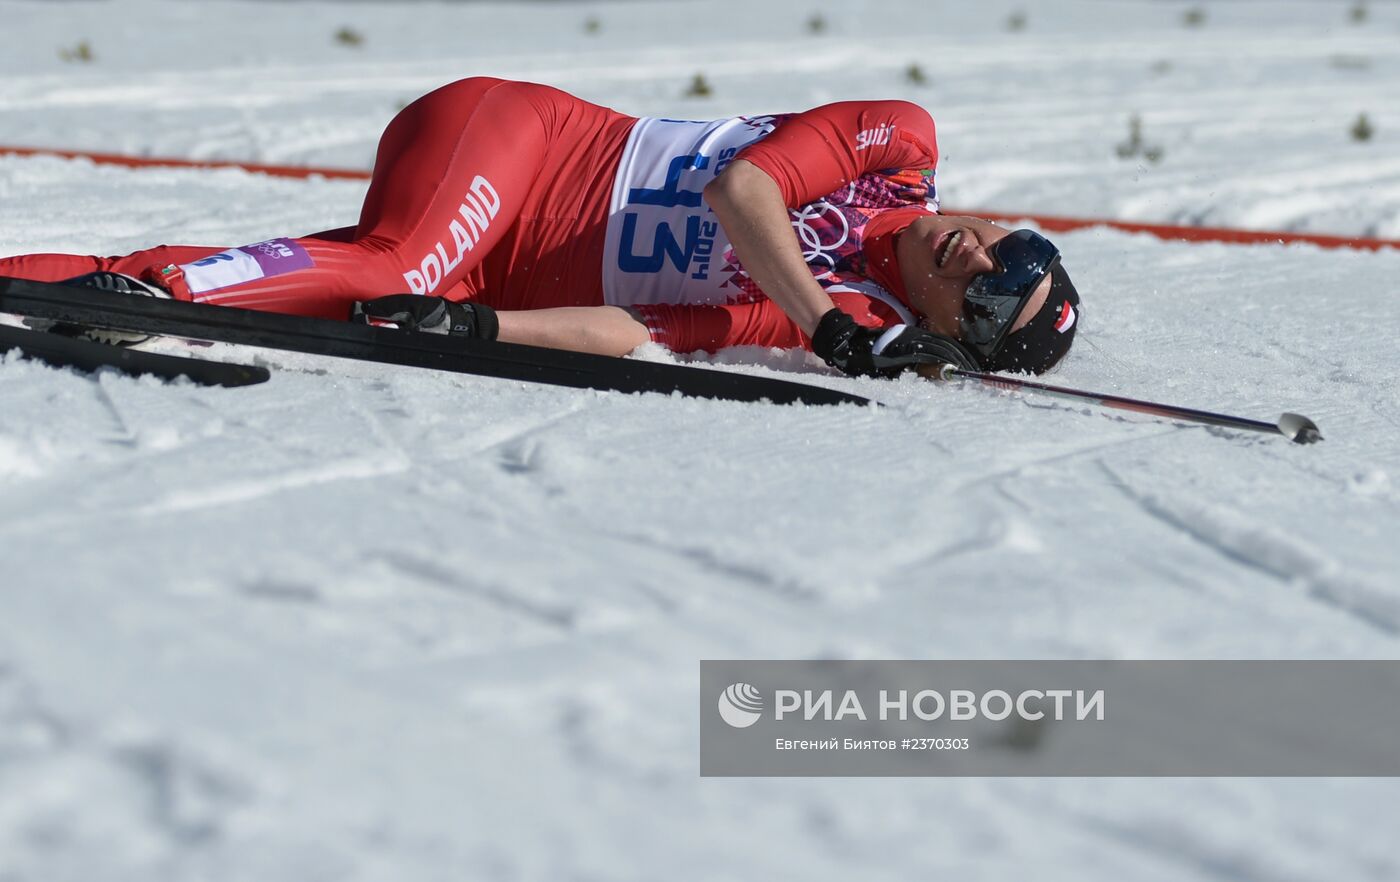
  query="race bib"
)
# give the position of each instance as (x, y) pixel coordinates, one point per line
(664, 244)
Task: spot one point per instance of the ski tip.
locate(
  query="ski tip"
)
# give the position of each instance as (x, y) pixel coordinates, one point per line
(1299, 429)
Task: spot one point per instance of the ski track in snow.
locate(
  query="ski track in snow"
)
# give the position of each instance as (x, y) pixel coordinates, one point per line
(369, 623)
(1288, 558)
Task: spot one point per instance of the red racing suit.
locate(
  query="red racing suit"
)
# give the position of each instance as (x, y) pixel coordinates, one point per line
(522, 196)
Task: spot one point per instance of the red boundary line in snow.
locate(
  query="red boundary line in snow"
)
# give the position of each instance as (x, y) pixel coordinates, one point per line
(1048, 222)
(280, 171)
(1190, 234)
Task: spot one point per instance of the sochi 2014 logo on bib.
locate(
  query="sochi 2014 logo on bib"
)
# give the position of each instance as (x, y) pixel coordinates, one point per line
(245, 264)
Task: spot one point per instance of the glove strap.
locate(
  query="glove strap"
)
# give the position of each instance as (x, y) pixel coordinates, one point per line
(487, 325)
(885, 339)
(832, 338)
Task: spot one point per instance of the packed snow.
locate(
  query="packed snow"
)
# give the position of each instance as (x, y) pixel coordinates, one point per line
(366, 622)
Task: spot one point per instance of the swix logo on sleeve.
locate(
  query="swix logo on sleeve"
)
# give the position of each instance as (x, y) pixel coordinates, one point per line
(479, 207)
(876, 137)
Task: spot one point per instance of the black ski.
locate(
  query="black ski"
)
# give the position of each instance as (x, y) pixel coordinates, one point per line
(86, 355)
(86, 306)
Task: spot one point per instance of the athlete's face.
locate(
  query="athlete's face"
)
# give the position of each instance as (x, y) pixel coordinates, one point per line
(938, 256)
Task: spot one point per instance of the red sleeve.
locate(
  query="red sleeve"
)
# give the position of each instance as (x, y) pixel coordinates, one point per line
(813, 153)
(712, 328)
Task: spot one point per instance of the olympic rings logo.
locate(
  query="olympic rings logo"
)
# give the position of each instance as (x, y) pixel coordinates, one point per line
(820, 237)
(272, 248)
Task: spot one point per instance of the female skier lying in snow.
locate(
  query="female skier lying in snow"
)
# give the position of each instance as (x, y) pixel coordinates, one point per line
(515, 211)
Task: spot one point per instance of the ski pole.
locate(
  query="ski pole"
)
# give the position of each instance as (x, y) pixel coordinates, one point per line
(1293, 426)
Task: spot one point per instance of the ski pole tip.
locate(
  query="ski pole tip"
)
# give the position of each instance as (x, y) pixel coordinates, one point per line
(1299, 429)
(936, 371)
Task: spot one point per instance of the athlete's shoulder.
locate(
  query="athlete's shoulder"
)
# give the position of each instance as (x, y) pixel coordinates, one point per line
(874, 123)
(895, 108)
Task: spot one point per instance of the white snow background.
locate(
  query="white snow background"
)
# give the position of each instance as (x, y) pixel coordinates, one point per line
(372, 623)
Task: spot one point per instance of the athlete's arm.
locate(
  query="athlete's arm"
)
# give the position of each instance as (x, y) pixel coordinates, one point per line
(612, 330)
(601, 330)
(808, 156)
(616, 331)
(750, 206)
(683, 328)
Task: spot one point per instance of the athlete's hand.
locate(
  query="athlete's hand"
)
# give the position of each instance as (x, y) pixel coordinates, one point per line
(883, 352)
(432, 315)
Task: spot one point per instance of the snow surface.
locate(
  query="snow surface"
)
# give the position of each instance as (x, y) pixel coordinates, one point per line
(364, 622)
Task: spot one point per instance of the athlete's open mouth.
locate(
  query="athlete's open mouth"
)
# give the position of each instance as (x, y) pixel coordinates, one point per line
(946, 248)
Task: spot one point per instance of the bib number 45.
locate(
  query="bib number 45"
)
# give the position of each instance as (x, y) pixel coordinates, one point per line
(665, 245)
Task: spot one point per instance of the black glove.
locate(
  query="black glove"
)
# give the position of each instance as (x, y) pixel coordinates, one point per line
(856, 350)
(432, 315)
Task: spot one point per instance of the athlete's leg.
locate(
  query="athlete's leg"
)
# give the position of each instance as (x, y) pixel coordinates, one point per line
(452, 173)
(58, 267)
(454, 169)
(48, 267)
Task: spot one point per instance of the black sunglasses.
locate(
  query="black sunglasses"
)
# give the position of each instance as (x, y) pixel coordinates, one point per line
(994, 299)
